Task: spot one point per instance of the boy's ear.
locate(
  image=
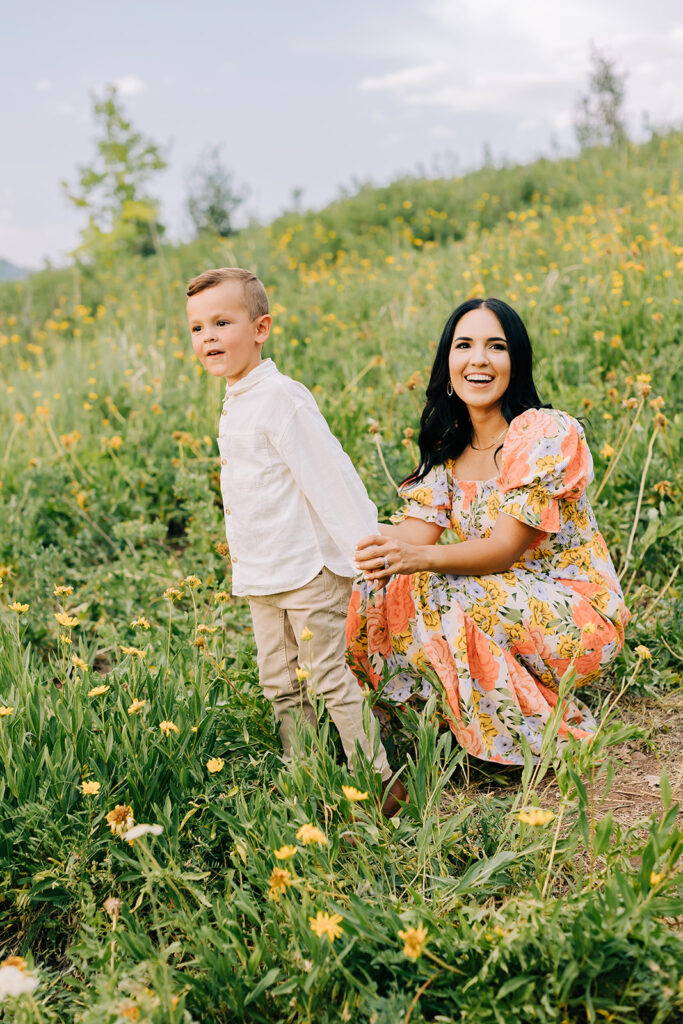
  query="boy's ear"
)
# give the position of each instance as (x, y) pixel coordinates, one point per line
(263, 325)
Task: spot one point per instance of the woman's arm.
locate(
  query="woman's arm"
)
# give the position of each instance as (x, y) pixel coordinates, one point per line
(381, 556)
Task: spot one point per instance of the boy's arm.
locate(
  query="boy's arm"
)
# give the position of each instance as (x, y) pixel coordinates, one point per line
(327, 477)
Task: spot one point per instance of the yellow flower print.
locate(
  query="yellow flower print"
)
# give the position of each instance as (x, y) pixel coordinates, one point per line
(547, 463)
(537, 499)
(566, 646)
(493, 504)
(401, 642)
(488, 730)
(484, 616)
(540, 614)
(515, 631)
(422, 495)
(495, 593)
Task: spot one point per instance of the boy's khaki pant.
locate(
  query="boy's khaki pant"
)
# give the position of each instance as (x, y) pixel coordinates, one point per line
(279, 620)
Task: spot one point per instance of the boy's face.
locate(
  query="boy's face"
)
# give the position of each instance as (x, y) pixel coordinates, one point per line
(225, 340)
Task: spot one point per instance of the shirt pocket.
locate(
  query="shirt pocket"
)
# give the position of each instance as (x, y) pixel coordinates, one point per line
(246, 464)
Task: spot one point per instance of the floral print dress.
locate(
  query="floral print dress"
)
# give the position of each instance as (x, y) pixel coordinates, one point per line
(497, 646)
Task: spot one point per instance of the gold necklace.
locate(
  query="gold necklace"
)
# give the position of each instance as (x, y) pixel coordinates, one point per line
(492, 442)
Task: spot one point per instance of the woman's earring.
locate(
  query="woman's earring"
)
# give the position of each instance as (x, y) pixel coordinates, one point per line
(449, 389)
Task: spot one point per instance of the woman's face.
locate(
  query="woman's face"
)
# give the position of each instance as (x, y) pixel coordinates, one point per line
(479, 360)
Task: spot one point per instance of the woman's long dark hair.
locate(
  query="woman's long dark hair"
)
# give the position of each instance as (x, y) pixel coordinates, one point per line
(445, 425)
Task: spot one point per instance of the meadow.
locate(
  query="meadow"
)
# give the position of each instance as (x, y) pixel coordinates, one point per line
(128, 686)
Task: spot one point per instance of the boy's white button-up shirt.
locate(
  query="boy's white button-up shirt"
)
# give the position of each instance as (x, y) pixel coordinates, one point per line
(292, 499)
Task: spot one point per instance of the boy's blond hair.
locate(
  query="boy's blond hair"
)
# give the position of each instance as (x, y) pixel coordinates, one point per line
(255, 298)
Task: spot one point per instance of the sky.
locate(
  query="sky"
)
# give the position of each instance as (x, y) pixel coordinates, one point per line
(307, 94)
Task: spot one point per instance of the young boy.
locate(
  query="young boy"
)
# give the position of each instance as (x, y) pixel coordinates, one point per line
(294, 511)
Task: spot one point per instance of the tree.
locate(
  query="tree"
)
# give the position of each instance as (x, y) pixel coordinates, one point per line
(213, 196)
(598, 118)
(122, 217)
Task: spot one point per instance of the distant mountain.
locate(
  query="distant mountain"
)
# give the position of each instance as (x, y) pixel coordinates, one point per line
(8, 271)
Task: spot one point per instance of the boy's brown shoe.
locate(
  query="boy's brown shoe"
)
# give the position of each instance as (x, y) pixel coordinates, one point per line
(393, 796)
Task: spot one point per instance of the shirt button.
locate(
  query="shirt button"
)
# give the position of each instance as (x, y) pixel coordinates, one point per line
(226, 510)
(224, 462)
(234, 561)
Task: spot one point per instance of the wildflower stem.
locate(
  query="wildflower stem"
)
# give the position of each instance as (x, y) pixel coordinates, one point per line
(639, 502)
(384, 465)
(553, 848)
(620, 451)
(416, 998)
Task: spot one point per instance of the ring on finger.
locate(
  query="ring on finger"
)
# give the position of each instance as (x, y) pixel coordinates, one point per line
(386, 562)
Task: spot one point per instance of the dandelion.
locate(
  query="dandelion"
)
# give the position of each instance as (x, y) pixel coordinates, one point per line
(142, 830)
(79, 663)
(351, 793)
(644, 652)
(68, 621)
(62, 591)
(136, 706)
(311, 834)
(301, 674)
(214, 765)
(16, 606)
(168, 727)
(535, 816)
(15, 979)
(141, 623)
(97, 691)
(306, 634)
(285, 852)
(120, 819)
(279, 881)
(135, 652)
(5, 712)
(326, 924)
(91, 788)
(413, 941)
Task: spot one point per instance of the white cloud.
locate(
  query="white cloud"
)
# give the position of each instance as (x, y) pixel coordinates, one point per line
(403, 81)
(130, 85)
(43, 85)
(66, 109)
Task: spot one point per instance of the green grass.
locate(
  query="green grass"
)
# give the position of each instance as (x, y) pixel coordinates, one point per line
(109, 485)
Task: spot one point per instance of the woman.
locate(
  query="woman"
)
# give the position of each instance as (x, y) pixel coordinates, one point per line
(528, 591)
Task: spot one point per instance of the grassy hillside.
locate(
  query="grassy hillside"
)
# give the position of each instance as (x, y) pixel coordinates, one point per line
(115, 596)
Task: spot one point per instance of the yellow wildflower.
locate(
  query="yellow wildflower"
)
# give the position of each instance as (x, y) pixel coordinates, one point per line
(306, 634)
(656, 877)
(140, 623)
(644, 652)
(413, 941)
(351, 793)
(535, 816)
(6, 711)
(285, 852)
(280, 879)
(215, 764)
(79, 663)
(90, 788)
(135, 652)
(173, 594)
(326, 924)
(607, 451)
(137, 705)
(301, 674)
(193, 581)
(120, 819)
(168, 727)
(97, 691)
(311, 834)
(16, 606)
(66, 620)
(62, 591)
(221, 597)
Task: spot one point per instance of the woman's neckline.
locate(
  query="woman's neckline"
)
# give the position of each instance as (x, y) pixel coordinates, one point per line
(490, 480)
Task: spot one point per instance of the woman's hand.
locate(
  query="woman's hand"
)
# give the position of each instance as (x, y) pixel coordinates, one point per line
(380, 557)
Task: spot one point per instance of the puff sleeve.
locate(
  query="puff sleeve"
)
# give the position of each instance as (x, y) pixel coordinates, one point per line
(545, 461)
(429, 499)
